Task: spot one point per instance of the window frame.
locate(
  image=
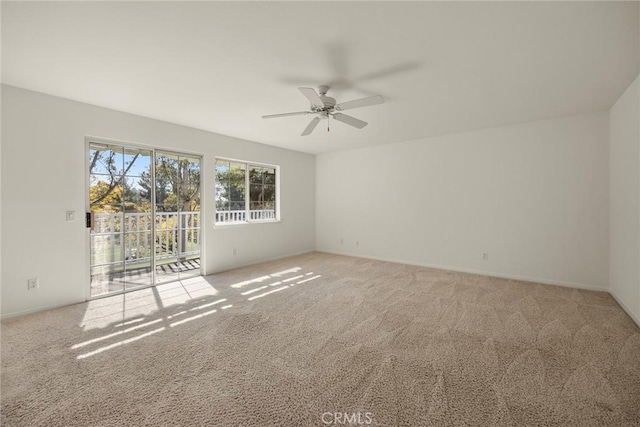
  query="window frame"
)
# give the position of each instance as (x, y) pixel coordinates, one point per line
(247, 198)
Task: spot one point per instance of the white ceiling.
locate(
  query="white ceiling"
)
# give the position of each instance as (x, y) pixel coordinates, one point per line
(219, 66)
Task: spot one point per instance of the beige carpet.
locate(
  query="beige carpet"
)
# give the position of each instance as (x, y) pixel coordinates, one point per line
(302, 341)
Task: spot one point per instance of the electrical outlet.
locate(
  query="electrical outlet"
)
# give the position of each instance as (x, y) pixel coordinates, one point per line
(33, 284)
(235, 251)
(342, 241)
(357, 243)
(485, 256)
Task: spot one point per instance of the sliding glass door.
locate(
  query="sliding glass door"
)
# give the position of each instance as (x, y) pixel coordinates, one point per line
(177, 209)
(145, 208)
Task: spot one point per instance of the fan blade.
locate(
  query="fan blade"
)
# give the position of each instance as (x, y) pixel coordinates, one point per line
(352, 121)
(311, 126)
(297, 113)
(312, 96)
(362, 102)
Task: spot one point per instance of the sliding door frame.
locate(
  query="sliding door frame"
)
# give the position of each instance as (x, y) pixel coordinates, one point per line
(153, 149)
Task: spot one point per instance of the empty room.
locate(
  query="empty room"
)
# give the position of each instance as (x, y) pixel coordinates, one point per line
(331, 213)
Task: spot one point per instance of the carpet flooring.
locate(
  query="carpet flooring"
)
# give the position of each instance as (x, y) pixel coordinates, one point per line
(321, 339)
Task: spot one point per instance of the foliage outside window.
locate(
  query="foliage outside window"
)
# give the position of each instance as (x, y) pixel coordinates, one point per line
(234, 204)
(120, 180)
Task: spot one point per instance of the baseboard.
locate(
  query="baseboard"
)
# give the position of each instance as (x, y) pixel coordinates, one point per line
(625, 308)
(479, 272)
(39, 309)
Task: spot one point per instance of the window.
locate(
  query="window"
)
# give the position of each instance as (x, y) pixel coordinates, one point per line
(234, 204)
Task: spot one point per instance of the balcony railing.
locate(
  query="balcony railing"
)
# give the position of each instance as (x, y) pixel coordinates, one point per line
(240, 216)
(118, 237)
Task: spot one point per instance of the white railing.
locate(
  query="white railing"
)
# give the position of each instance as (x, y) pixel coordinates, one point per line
(127, 236)
(240, 216)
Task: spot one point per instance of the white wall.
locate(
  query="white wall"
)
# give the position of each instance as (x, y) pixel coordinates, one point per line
(0, 198)
(624, 139)
(534, 196)
(43, 176)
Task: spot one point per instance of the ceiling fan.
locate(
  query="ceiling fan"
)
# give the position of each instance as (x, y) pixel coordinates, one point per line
(324, 106)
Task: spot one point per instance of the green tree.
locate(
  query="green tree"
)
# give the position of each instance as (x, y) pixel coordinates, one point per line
(177, 189)
(109, 186)
(230, 186)
(177, 184)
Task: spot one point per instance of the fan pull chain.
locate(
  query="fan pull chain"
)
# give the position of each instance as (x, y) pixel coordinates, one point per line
(328, 122)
